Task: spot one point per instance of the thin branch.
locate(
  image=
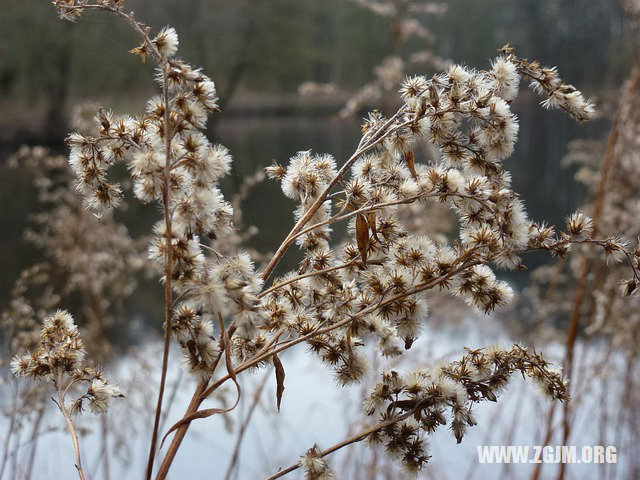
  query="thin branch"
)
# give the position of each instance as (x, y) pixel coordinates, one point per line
(379, 206)
(128, 17)
(353, 439)
(305, 275)
(72, 431)
(168, 292)
(35, 435)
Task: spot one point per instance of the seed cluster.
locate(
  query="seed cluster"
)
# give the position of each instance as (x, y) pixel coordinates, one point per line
(59, 358)
(421, 400)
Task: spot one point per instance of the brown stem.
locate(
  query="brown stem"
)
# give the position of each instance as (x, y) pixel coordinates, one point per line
(72, 431)
(168, 294)
(35, 434)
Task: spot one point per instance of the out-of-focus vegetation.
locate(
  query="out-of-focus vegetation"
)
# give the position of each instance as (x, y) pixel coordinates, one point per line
(268, 48)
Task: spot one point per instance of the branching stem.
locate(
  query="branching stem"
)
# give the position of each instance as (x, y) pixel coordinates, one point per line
(70, 427)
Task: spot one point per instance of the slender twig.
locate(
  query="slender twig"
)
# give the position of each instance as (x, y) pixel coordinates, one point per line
(168, 293)
(35, 435)
(380, 206)
(70, 427)
(306, 275)
(128, 17)
(10, 430)
(353, 439)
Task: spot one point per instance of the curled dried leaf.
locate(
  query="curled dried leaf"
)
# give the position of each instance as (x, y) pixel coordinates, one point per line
(280, 374)
(371, 218)
(410, 160)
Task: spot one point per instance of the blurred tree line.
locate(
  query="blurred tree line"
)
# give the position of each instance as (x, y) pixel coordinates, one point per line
(271, 46)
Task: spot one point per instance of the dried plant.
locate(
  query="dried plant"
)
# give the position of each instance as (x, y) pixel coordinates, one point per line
(58, 358)
(86, 262)
(367, 289)
(83, 256)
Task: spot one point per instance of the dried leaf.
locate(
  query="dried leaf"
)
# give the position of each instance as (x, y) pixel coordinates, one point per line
(371, 218)
(362, 236)
(198, 414)
(408, 341)
(410, 161)
(279, 379)
(103, 117)
(76, 406)
(227, 355)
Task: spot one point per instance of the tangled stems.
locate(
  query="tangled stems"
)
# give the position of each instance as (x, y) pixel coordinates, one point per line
(203, 392)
